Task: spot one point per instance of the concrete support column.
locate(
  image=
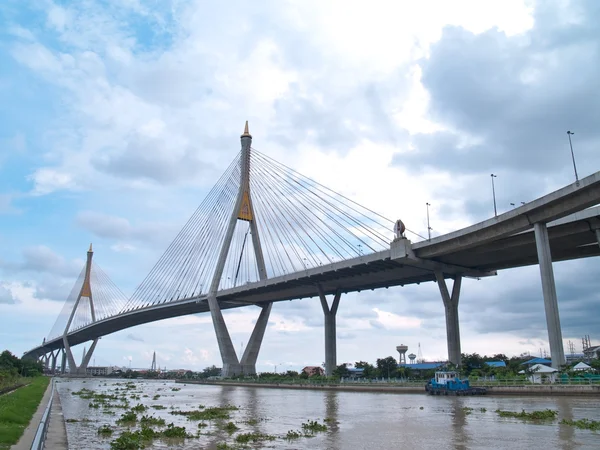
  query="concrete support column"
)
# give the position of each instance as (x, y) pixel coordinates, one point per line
(598, 236)
(87, 357)
(248, 362)
(330, 330)
(542, 243)
(63, 363)
(54, 358)
(231, 364)
(451, 311)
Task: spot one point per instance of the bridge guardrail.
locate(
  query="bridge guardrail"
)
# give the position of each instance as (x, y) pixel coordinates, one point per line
(42, 430)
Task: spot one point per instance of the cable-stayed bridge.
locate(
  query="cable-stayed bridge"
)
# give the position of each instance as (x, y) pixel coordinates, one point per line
(265, 233)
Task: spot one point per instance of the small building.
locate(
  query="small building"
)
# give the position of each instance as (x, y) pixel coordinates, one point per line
(581, 366)
(534, 361)
(353, 372)
(99, 371)
(313, 370)
(540, 373)
(423, 365)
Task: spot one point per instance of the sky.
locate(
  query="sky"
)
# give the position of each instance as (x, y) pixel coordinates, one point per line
(119, 116)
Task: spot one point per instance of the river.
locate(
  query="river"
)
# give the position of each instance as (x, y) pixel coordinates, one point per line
(354, 420)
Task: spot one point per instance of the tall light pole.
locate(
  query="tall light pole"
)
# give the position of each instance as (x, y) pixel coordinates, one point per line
(569, 133)
(428, 227)
(494, 194)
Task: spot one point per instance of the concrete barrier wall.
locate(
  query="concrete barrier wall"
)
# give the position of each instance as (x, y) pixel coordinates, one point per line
(585, 390)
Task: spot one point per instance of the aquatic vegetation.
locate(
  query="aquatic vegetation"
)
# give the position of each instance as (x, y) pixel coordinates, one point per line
(156, 397)
(293, 434)
(175, 389)
(483, 410)
(127, 441)
(127, 418)
(545, 414)
(583, 424)
(230, 427)
(151, 420)
(313, 426)
(105, 430)
(467, 410)
(139, 408)
(175, 432)
(158, 407)
(202, 424)
(212, 413)
(244, 438)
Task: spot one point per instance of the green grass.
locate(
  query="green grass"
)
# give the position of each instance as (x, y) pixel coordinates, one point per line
(17, 409)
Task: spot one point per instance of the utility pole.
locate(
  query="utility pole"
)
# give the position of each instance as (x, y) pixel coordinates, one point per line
(569, 133)
(494, 194)
(428, 227)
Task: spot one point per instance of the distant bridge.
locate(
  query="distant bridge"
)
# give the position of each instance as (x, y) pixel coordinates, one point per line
(266, 234)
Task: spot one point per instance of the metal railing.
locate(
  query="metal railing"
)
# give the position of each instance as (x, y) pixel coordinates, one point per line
(42, 430)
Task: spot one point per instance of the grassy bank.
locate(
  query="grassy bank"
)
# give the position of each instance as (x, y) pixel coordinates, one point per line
(17, 409)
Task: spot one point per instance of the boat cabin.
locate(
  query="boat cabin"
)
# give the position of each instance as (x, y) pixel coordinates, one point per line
(445, 377)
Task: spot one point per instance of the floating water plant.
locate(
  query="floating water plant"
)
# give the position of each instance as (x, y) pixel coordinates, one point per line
(545, 414)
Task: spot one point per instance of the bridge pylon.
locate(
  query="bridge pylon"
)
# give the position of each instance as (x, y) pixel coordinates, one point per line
(243, 211)
(85, 295)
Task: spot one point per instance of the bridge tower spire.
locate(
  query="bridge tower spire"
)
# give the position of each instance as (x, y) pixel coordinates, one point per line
(84, 293)
(244, 211)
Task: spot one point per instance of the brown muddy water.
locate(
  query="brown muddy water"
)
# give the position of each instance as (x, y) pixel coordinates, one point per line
(354, 420)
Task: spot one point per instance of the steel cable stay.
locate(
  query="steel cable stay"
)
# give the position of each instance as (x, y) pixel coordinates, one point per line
(304, 222)
(311, 223)
(190, 264)
(318, 186)
(340, 207)
(147, 285)
(156, 290)
(198, 265)
(283, 229)
(325, 211)
(297, 226)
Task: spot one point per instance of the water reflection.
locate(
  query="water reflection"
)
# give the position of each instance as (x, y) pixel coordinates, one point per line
(459, 423)
(356, 420)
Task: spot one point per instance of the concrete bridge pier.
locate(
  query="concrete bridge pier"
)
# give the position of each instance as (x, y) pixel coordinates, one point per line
(63, 362)
(451, 311)
(73, 368)
(330, 330)
(542, 243)
(598, 236)
(248, 362)
(54, 358)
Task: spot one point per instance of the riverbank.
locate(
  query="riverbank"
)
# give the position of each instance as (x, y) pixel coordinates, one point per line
(17, 409)
(536, 390)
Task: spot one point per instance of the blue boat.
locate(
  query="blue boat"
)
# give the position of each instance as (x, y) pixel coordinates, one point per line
(448, 383)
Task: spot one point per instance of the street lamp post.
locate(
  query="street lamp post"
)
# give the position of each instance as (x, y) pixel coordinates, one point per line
(428, 227)
(569, 133)
(494, 195)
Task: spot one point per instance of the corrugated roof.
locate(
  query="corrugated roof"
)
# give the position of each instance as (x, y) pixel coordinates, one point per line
(537, 361)
(422, 366)
(496, 363)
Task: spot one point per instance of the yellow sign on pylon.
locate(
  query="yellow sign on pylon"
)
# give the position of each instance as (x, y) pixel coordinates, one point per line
(86, 291)
(245, 210)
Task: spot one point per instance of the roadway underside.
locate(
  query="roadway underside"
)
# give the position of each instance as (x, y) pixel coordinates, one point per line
(568, 241)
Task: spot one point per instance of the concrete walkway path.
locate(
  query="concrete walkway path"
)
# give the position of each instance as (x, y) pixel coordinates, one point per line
(56, 426)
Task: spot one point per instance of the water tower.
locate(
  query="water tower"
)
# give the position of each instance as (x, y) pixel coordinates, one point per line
(402, 349)
(412, 357)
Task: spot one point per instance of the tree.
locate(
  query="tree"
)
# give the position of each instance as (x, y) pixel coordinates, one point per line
(341, 371)
(368, 369)
(387, 367)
